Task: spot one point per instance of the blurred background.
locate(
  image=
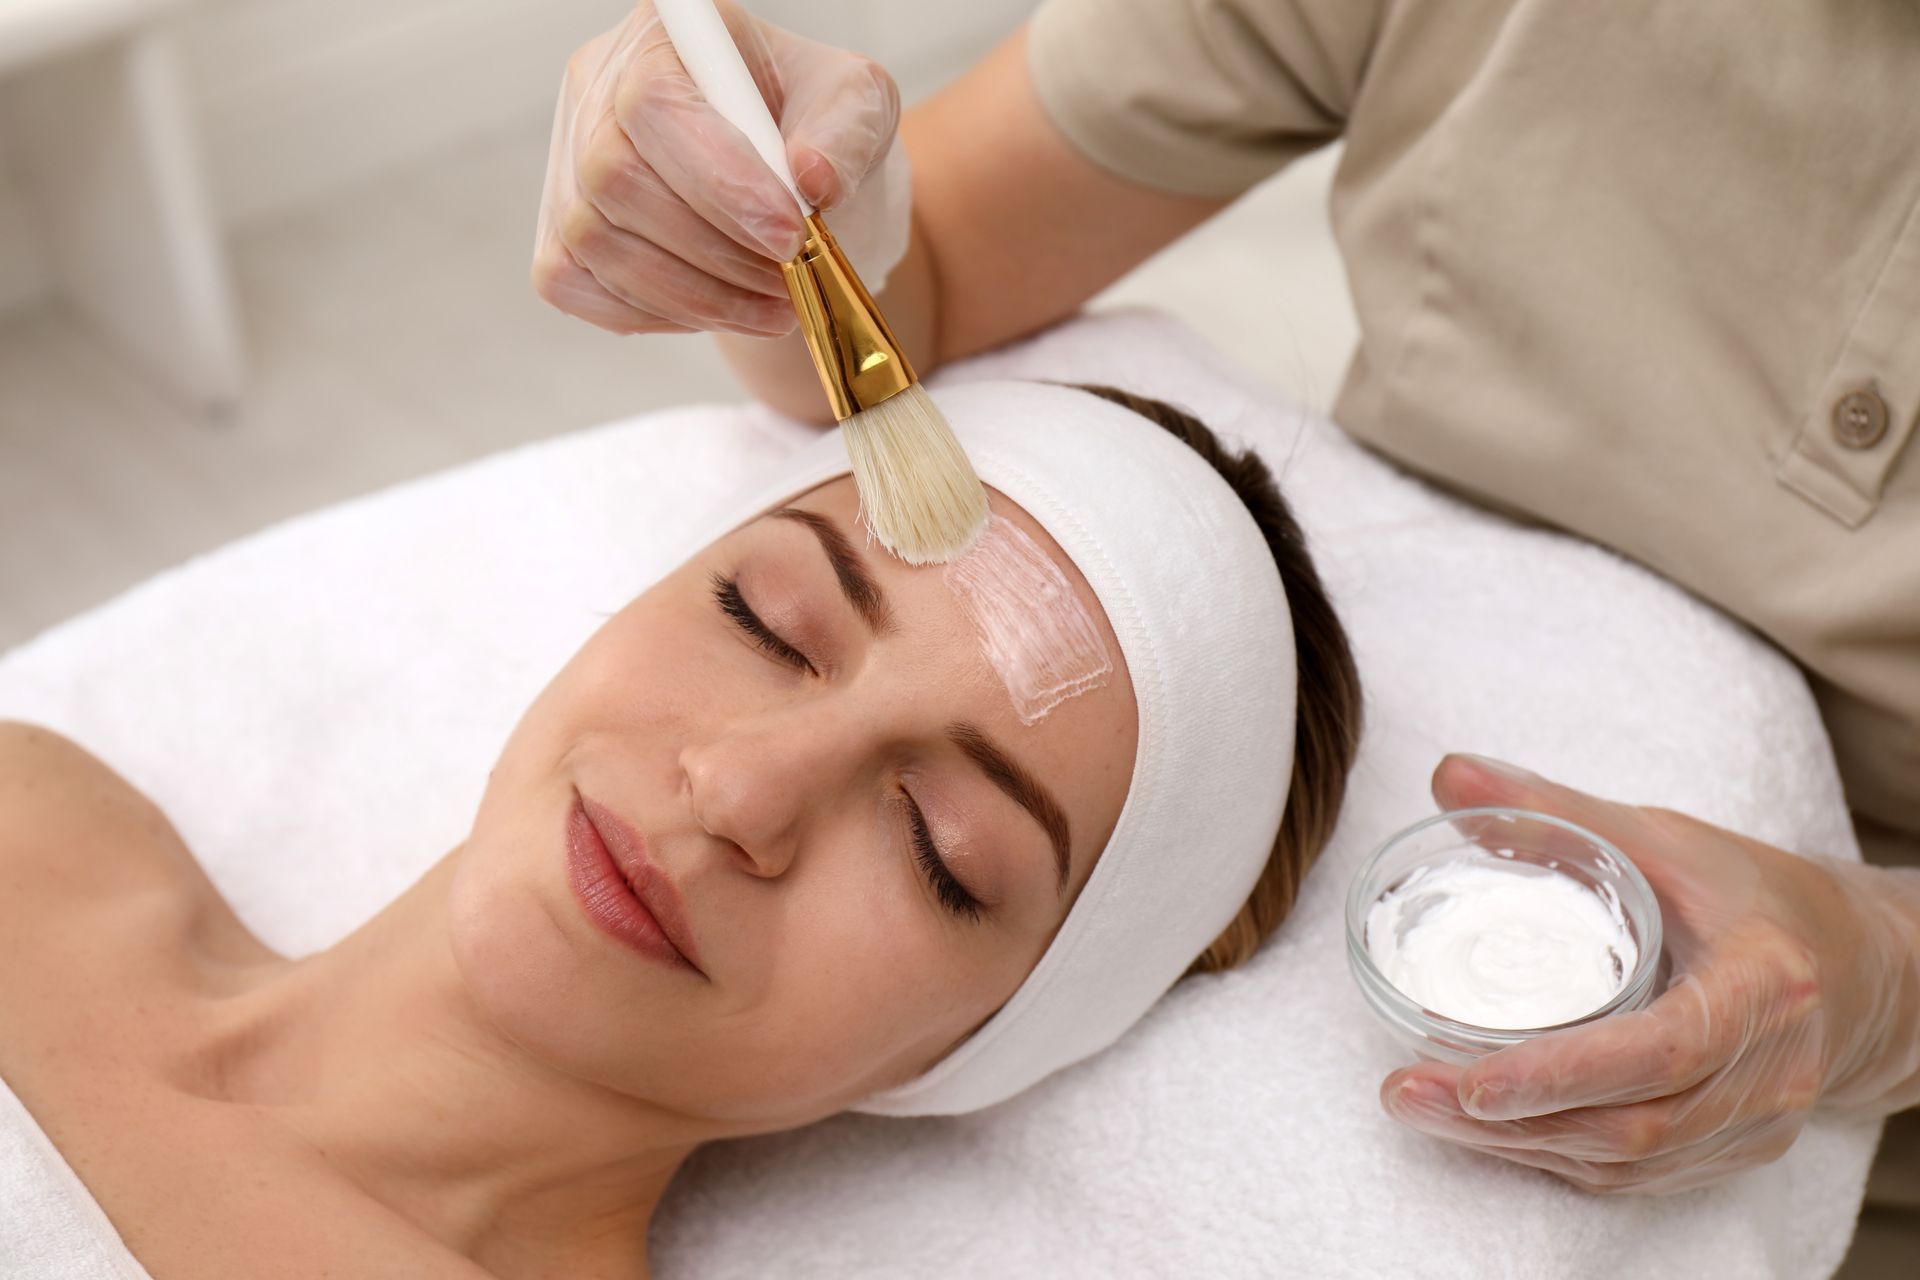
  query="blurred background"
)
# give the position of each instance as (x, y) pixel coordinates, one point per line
(260, 256)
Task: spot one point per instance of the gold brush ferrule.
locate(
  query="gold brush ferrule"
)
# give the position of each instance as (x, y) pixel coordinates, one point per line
(859, 362)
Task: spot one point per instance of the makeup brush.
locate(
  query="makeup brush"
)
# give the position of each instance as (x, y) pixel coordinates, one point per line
(920, 494)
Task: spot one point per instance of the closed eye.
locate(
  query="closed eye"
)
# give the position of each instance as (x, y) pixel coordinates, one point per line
(726, 594)
(952, 894)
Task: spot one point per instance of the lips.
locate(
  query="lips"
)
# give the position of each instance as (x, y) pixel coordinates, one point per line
(623, 891)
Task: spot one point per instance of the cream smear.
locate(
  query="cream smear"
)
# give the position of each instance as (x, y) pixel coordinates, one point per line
(1495, 942)
(1043, 645)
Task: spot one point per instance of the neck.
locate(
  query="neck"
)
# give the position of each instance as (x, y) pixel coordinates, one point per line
(373, 1055)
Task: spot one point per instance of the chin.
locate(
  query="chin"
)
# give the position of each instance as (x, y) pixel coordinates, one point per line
(535, 972)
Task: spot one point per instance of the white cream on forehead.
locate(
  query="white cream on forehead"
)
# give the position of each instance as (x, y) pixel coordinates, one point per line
(1033, 629)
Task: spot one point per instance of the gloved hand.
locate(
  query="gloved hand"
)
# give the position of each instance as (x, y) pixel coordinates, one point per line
(1796, 982)
(659, 217)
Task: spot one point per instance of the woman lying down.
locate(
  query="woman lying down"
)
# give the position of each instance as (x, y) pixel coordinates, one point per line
(799, 830)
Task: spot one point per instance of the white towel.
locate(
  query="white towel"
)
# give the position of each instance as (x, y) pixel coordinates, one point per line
(50, 1227)
(318, 705)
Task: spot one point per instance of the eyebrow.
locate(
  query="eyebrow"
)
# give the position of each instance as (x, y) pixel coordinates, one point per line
(1026, 790)
(856, 584)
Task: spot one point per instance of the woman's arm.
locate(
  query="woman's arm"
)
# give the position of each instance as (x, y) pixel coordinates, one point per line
(1012, 230)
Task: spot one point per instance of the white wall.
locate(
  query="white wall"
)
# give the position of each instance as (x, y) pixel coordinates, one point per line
(20, 275)
(299, 98)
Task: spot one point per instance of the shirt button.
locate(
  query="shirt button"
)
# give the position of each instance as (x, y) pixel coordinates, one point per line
(1860, 418)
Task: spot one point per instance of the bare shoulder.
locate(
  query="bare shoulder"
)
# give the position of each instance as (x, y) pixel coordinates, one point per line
(70, 826)
(97, 894)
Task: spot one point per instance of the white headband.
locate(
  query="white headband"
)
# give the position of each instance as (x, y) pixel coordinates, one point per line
(1192, 592)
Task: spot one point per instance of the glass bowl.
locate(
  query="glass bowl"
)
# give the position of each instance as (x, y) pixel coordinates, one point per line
(1523, 835)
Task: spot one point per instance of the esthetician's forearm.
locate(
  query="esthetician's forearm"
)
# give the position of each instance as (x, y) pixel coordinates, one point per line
(1876, 1039)
(1901, 887)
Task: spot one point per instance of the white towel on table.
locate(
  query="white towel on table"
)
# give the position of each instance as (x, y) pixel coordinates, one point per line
(317, 707)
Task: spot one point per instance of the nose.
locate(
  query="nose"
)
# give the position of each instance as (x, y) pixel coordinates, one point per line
(756, 783)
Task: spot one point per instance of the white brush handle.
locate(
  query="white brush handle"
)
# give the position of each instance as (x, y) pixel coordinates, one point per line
(706, 48)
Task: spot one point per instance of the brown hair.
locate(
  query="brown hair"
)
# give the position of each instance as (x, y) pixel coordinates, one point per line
(1326, 731)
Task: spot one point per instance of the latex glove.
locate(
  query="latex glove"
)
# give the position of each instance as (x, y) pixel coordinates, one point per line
(658, 216)
(1796, 982)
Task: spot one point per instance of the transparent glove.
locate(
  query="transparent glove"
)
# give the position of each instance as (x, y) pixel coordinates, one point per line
(658, 216)
(1796, 982)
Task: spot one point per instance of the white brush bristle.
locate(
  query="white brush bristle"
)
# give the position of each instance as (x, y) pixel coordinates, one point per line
(922, 499)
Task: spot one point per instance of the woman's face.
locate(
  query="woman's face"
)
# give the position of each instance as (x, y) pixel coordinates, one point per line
(866, 839)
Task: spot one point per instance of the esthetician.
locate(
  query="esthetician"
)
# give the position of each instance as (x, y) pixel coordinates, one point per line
(1643, 271)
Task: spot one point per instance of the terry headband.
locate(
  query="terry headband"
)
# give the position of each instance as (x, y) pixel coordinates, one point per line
(1192, 593)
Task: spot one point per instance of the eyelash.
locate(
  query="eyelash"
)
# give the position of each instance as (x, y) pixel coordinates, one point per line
(726, 594)
(952, 895)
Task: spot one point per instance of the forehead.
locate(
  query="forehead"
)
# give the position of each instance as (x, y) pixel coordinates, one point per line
(1083, 747)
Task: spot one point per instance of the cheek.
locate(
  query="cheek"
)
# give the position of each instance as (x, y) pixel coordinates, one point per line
(865, 988)
(670, 657)
(650, 670)
(888, 1005)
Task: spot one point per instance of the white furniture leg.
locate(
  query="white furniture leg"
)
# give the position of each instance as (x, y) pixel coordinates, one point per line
(112, 164)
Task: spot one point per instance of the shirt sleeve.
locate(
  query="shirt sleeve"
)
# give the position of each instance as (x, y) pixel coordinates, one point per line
(1203, 97)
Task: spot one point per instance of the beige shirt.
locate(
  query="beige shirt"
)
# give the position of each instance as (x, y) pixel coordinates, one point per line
(1645, 270)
